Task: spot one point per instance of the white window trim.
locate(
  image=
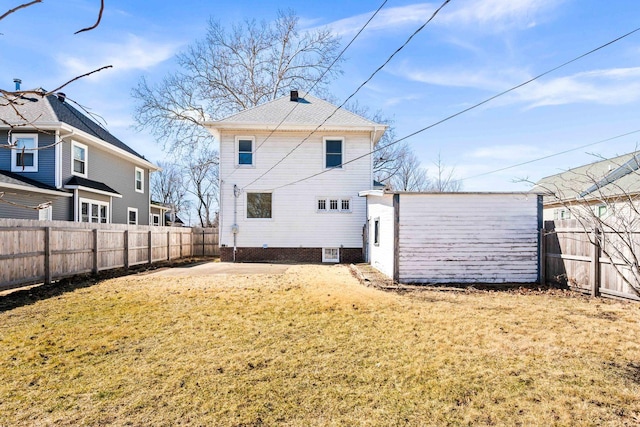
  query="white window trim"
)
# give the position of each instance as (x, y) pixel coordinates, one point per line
(324, 152)
(327, 204)
(14, 152)
(246, 205)
(129, 210)
(153, 216)
(94, 202)
(135, 180)
(376, 231)
(86, 159)
(327, 259)
(237, 151)
(45, 214)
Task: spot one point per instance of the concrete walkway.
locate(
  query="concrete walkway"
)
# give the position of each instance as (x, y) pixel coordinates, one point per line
(209, 268)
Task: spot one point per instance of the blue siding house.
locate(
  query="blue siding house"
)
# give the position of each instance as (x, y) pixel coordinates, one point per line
(58, 164)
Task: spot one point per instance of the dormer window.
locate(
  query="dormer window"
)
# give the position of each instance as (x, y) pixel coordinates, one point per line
(245, 148)
(24, 156)
(79, 159)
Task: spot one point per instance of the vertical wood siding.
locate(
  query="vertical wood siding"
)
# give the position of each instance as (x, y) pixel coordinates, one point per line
(468, 238)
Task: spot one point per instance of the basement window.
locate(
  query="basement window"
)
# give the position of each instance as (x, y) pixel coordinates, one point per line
(331, 255)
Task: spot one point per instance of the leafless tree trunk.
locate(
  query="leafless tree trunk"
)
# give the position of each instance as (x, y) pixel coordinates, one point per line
(203, 183)
(444, 180)
(168, 187)
(410, 175)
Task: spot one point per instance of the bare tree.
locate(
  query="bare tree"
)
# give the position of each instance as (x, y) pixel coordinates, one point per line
(444, 180)
(410, 175)
(229, 71)
(203, 183)
(604, 199)
(168, 187)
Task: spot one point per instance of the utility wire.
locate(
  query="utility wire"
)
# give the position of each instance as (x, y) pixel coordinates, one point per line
(354, 93)
(319, 78)
(470, 108)
(549, 156)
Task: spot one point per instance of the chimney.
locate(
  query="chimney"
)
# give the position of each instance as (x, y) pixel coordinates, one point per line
(294, 96)
(17, 82)
(61, 96)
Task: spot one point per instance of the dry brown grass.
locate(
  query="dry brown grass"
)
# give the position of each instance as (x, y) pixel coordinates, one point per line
(313, 347)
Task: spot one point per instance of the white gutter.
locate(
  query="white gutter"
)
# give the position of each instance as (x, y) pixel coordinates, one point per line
(93, 190)
(34, 189)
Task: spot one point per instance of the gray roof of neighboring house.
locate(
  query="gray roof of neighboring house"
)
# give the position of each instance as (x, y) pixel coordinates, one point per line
(603, 179)
(15, 179)
(308, 110)
(49, 109)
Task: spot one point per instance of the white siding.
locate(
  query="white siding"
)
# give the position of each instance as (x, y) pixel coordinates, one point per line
(295, 222)
(466, 238)
(381, 256)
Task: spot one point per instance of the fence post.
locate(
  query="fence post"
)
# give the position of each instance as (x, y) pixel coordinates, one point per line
(47, 255)
(180, 237)
(150, 248)
(169, 245)
(94, 270)
(543, 257)
(203, 253)
(126, 249)
(594, 270)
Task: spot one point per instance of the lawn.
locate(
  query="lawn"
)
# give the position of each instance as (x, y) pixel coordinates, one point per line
(313, 347)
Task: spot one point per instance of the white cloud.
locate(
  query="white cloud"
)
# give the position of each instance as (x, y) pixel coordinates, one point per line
(133, 53)
(614, 86)
(510, 153)
(492, 14)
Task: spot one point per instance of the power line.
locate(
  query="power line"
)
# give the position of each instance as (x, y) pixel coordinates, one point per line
(550, 155)
(472, 107)
(354, 93)
(319, 78)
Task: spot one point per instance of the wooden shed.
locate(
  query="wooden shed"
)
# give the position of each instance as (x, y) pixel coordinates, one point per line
(454, 237)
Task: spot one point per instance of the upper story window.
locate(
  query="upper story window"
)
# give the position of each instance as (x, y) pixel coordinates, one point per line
(333, 152)
(24, 155)
(139, 180)
(245, 148)
(78, 159)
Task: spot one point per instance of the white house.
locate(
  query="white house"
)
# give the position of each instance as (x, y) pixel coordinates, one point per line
(290, 173)
(454, 237)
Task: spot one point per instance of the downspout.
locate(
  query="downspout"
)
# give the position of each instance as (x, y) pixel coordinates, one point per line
(76, 206)
(234, 227)
(58, 156)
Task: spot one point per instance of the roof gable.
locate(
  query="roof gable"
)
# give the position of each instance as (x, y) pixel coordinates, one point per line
(306, 111)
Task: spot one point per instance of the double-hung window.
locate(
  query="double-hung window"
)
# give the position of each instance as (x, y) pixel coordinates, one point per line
(139, 180)
(79, 159)
(333, 153)
(24, 154)
(245, 148)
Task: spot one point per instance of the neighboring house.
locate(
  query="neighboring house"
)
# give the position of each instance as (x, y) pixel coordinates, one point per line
(454, 237)
(158, 214)
(319, 219)
(86, 173)
(601, 186)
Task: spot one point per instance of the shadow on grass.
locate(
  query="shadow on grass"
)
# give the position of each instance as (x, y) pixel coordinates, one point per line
(32, 294)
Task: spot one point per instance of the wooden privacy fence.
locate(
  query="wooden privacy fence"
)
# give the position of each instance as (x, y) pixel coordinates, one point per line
(573, 257)
(43, 251)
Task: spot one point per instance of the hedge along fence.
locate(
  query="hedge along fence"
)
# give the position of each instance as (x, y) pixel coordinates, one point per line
(43, 251)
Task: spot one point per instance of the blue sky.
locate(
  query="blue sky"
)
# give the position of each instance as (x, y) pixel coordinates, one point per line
(471, 51)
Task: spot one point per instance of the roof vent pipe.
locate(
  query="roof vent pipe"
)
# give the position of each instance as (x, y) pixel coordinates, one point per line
(61, 96)
(18, 82)
(294, 96)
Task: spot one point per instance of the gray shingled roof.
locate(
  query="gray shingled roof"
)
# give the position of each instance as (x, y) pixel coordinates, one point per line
(7, 177)
(49, 109)
(602, 179)
(308, 110)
